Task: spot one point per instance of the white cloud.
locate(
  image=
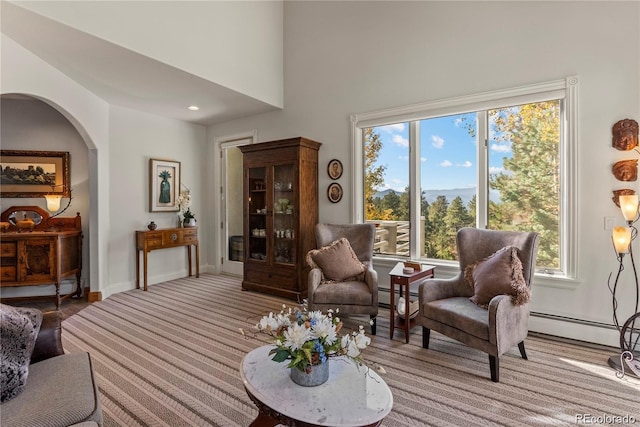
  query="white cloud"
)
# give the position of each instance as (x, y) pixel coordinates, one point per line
(446, 164)
(399, 140)
(499, 148)
(423, 159)
(397, 181)
(495, 169)
(437, 141)
(466, 164)
(403, 157)
(457, 122)
(396, 127)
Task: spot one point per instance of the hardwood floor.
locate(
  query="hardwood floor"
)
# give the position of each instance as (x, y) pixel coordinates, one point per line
(68, 307)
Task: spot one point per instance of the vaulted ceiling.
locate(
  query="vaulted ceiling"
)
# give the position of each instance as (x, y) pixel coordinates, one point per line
(123, 77)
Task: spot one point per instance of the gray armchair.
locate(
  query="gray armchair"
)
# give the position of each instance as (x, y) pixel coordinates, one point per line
(350, 297)
(445, 306)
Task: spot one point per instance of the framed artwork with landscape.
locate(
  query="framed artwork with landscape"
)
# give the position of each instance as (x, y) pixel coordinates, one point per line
(34, 173)
(164, 185)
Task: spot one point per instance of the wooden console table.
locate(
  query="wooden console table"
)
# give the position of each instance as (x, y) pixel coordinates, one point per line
(147, 241)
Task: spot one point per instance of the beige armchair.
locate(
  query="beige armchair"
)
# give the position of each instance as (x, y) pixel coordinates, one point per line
(445, 306)
(351, 296)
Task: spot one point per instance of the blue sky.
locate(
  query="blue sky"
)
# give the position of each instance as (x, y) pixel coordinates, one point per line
(448, 153)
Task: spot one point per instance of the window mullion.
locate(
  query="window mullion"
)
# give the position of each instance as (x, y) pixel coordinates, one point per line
(482, 189)
(415, 242)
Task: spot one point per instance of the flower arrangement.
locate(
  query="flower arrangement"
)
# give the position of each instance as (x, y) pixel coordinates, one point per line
(308, 338)
(184, 204)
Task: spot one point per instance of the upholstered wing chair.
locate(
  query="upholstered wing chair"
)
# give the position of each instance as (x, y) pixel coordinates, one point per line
(445, 304)
(351, 296)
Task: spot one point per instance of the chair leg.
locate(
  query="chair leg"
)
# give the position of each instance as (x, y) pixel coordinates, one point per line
(522, 352)
(373, 325)
(425, 337)
(494, 365)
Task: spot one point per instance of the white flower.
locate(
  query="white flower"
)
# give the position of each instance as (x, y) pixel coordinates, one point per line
(348, 344)
(317, 314)
(361, 340)
(184, 200)
(353, 350)
(325, 329)
(295, 336)
(268, 323)
(283, 319)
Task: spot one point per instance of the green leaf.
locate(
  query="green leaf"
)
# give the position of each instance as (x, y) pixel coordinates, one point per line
(280, 355)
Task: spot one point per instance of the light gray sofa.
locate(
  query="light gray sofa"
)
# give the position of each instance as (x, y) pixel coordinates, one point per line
(61, 389)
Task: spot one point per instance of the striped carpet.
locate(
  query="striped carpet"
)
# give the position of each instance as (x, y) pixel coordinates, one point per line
(170, 357)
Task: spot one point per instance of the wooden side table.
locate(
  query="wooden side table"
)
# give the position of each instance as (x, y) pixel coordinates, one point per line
(404, 281)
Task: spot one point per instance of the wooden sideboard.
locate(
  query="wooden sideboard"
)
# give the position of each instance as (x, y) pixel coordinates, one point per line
(43, 255)
(164, 238)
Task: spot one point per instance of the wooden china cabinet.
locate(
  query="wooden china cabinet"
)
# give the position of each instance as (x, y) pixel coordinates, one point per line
(280, 213)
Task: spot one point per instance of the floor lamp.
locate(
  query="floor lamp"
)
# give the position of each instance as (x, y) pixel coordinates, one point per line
(628, 362)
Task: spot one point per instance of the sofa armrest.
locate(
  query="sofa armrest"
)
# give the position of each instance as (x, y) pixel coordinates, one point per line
(313, 281)
(508, 323)
(437, 289)
(49, 341)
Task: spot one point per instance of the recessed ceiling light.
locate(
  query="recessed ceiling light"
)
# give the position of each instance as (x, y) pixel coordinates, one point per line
(194, 108)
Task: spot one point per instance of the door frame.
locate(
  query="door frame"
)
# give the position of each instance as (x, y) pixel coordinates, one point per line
(222, 143)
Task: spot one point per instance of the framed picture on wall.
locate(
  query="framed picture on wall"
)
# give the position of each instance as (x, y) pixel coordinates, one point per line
(34, 173)
(164, 185)
(334, 169)
(334, 192)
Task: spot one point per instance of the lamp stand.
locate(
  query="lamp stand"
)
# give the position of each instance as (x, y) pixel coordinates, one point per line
(628, 361)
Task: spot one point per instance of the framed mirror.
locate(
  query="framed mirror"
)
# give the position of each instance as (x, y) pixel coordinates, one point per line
(19, 215)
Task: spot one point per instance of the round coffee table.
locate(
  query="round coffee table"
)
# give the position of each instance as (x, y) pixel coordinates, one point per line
(353, 396)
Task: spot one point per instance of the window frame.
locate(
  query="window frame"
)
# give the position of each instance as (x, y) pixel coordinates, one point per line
(564, 89)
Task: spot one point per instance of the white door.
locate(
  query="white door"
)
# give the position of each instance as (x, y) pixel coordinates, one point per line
(231, 206)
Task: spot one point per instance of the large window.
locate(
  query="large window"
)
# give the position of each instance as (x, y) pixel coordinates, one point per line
(501, 162)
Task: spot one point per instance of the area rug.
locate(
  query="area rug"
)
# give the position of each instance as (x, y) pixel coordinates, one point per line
(170, 357)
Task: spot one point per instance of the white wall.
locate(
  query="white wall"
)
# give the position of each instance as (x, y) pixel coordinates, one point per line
(235, 44)
(24, 73)
(119, 143)
(135, 137)
(353, 57)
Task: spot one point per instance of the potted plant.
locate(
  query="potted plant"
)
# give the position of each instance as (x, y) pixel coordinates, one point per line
(184, 205)
(189, 218)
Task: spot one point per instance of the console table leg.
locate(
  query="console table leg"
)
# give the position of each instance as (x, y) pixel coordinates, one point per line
(197, 260)
(79, 285)
(137, 269)
(58, 295)
(189, 259)
(145, 269)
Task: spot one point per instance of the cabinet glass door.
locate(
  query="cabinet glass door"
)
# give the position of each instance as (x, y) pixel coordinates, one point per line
(257, 249)
(284, 214)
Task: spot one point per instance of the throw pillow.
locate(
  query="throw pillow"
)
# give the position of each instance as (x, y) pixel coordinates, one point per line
(498, 274)
(19, 329)
(337, 261)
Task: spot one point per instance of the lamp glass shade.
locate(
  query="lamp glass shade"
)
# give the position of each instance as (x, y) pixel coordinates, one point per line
(53, 202)
(629, 206)
(621, 239)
